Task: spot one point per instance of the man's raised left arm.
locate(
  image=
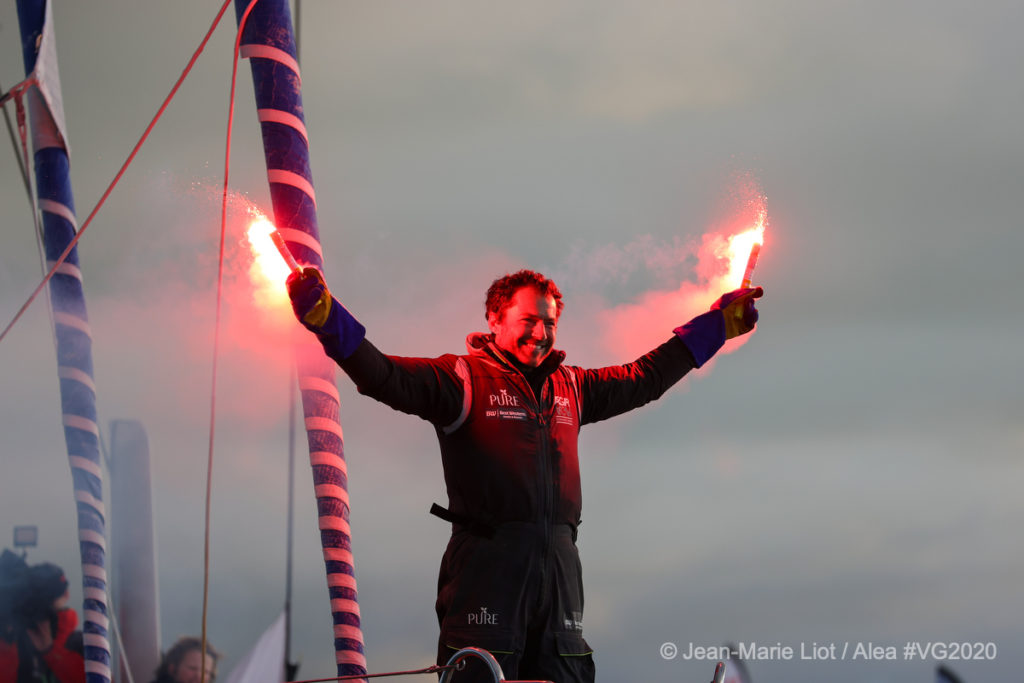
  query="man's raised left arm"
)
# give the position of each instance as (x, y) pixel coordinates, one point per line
(607, 392)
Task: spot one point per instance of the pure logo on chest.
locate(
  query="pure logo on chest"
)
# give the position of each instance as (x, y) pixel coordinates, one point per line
(505, 406)
(503, 399)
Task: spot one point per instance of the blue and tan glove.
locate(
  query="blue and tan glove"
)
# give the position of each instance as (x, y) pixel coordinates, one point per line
(732, 315)
(320, 313)
(738, 310)
(311, 300)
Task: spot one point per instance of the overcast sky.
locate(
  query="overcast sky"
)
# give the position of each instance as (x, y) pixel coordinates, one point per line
(852, 473)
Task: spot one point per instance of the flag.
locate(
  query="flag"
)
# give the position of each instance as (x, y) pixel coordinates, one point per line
(735, 669)
(47, 78)
(264, 663)
(944, 674)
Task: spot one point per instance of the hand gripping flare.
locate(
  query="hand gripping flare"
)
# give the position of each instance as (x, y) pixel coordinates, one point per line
(334, 326)
(311, 300)
(738, 310)
(732, 315)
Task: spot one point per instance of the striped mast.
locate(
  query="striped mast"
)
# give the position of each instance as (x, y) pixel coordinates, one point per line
(268, 42)
(71, 325)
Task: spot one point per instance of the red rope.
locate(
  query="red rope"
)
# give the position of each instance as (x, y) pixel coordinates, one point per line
(117, 178)
(216, 333)
(19, 105)
(354, 677)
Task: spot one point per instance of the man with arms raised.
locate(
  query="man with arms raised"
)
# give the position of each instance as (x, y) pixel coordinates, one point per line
(507, 416)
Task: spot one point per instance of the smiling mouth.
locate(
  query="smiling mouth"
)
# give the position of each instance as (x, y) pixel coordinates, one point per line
(536, 352)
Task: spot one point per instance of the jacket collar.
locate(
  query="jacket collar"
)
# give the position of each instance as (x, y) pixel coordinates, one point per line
(481, 344)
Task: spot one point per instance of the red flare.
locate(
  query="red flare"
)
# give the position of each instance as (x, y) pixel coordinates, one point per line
(748, 274)
(286, 253)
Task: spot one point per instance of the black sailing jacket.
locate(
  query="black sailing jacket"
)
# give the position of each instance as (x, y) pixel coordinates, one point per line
(509, 455)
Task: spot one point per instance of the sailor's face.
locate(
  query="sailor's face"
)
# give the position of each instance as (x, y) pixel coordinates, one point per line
(526, 328)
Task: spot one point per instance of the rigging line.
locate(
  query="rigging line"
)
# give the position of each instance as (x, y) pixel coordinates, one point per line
(216, 334)
(122, 654)
(17, 89)
(293, 383)
(104, 451)
(32, 200)
(110, 188)
(33, 203)
(355, 677)
(14, 144)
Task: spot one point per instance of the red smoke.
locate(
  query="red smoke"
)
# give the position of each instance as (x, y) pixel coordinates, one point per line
(158, 329)
(268, 270)
(631, 329)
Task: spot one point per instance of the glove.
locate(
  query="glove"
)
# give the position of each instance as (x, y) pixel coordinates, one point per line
(738, 310)
(320, 313)
(311, 300)
(732, 315)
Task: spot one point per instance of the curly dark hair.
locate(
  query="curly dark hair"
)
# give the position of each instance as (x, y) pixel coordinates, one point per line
(501, 291)
(181, 647)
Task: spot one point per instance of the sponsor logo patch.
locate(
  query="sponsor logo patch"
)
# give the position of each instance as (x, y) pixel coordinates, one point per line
(482, 618)
(563, 411)
(573, 621)
(506, 414)
(503, 399)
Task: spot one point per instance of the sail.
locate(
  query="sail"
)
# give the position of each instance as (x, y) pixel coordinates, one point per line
(735, 668)
(264, 663)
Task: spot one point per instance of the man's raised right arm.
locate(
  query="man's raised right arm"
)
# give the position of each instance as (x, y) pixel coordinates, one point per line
(425, 387)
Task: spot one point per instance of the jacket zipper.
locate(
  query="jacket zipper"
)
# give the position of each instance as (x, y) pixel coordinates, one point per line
(549, 495)
(547, 479)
